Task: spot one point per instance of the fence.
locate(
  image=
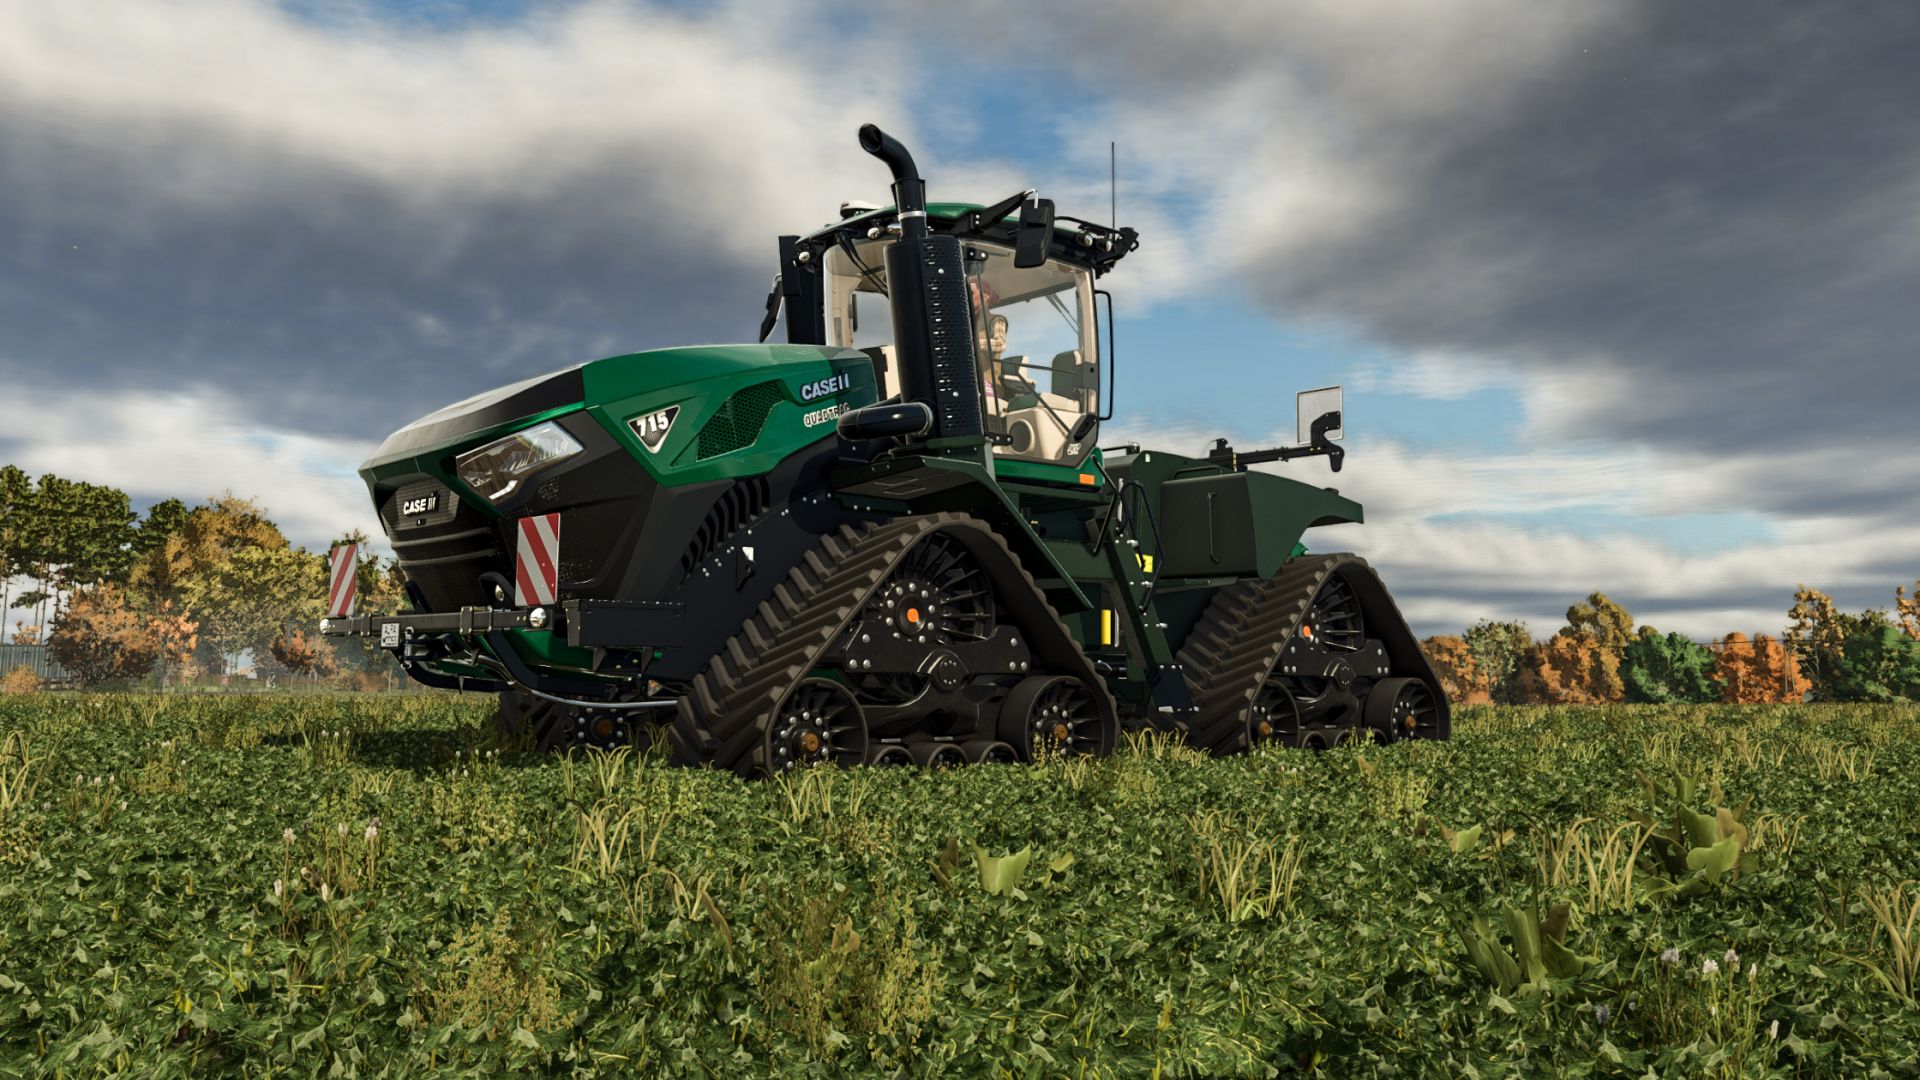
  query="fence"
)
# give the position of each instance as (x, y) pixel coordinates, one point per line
(35, 659)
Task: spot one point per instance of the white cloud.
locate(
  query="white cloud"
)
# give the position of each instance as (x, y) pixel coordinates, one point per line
(193, 445)
(1448, 573)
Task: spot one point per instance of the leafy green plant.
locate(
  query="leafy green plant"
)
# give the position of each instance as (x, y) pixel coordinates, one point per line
(1538, 953)
(1696, 851)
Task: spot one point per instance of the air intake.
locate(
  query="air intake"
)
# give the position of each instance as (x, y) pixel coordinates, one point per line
(738, 422)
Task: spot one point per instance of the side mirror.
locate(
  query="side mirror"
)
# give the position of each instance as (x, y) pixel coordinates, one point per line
(1311, 405)
(1036, 230)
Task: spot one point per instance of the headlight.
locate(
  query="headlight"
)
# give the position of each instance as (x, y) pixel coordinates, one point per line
(496, 469)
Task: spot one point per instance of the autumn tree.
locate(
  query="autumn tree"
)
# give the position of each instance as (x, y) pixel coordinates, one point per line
(1569, 670)
(299, 653)
(1908, 608)
(99, 635)
(1497, 649)
(200, 539)
(1757, 671)
(1661, 669)
(1453, 665)
(254, 595)
(1817, 637)
(1600, 621)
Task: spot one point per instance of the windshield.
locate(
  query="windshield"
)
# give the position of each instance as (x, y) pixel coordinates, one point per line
(1034, 341)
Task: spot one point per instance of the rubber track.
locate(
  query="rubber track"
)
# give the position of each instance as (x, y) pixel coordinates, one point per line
(724, 715)
(1240, 637)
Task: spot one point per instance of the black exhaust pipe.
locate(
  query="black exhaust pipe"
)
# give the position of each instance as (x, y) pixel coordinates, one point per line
(909, 191)
(932, 319)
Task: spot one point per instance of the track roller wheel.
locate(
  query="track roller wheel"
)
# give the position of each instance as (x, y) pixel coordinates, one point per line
(818, 722)
(1055, 713)
(889, 756)
(1274, 718)
(938, 755)
(990, 751)
(1402, 709)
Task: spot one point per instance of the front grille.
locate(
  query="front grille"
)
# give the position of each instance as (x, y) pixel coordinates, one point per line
(738, 421)
(446, 558)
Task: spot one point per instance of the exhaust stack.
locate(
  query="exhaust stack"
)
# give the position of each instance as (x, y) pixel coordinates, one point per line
(927, 289)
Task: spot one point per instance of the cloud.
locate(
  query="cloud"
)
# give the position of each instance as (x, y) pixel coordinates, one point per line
(1459, 535)
(193, 446)
(344, 226)
(1690, 225)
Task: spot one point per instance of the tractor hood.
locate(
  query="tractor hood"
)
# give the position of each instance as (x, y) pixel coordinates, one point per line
(542, 393)
(624, 385)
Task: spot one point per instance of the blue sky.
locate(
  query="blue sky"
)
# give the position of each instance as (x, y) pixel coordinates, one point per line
(1620, 295)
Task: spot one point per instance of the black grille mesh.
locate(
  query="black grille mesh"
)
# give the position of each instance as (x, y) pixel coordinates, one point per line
(738, 421)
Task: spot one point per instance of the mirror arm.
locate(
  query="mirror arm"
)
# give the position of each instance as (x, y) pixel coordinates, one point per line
(1227, 457)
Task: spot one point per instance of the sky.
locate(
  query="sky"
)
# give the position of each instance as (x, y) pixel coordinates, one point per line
(1622, 296)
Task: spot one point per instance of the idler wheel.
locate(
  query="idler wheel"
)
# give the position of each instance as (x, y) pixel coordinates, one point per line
(1053, 713)
(818, 722)
(1402, 709)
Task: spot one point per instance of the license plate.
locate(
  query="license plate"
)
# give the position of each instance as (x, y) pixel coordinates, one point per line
(389, 635)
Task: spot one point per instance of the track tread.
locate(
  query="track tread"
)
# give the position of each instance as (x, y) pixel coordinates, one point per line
(1239, 639)
(722, 717)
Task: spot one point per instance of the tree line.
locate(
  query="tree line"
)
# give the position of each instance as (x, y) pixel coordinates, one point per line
(1599, 656)
(175, 595)
(182, 593)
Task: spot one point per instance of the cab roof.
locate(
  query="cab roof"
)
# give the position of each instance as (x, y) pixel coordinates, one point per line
(1084, 243)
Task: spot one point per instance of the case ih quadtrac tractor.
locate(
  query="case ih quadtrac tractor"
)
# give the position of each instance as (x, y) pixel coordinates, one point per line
(893, 539)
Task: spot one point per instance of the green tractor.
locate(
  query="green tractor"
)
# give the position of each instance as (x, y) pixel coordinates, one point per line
(893, 539)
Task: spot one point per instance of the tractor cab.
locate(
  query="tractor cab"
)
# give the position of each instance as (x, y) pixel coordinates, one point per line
(1031, 313)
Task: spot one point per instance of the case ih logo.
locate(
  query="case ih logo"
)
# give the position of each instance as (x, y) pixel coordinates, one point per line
(422, 504)
(814, 391)
(651, 428)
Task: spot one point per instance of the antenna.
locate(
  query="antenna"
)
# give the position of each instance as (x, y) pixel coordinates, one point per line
(1113, 183)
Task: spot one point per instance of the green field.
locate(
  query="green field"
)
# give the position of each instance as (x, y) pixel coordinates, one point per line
(332, 885)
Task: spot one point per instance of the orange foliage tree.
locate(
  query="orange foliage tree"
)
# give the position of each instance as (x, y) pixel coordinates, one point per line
(299, 654)
(1909, 609)
(1453, 664)
(1758, 671)
(1570, 670)
(99, 636)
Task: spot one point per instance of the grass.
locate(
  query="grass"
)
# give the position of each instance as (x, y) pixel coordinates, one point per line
(376, 885)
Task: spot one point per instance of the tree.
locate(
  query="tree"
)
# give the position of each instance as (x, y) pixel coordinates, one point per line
(1757, 672)
(69, 533)
(1908, 608)
(298, 654)
(15, 491)
(175, 639)
(100, 636)
(256, 594)
(1878, 663)
(1817, 637)
(1453, 665)
(204, 537)
(1600, 621)
(1569, 670)
(164, 519)
(1664, 669)
(1497, 649)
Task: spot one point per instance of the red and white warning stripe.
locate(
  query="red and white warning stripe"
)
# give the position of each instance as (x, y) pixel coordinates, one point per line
(536, 560)
(341, 587)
